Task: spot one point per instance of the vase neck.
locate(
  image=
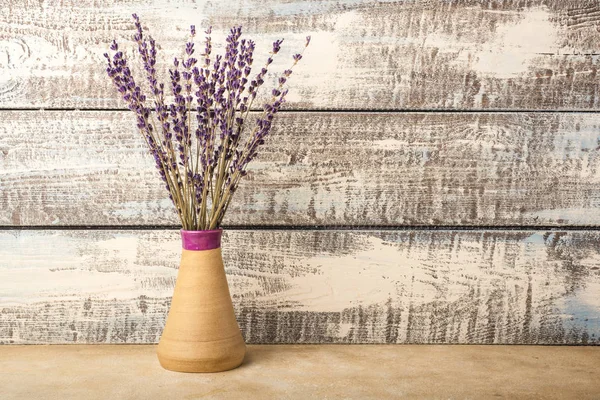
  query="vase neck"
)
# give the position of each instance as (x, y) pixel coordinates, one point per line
(201, 240)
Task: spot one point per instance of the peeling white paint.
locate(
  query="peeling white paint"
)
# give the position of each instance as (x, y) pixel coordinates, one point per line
(53, 267)
(514, 47)
(418, 277)
(574, 216)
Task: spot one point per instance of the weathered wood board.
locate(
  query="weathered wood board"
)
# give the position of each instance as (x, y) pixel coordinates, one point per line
(91, 168)
(359, 168)
(292, 286)
(534, 54)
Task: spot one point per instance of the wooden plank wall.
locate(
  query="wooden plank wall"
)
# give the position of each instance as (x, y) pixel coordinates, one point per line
(435, 177)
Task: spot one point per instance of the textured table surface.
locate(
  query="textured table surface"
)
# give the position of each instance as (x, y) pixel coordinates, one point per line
(306, 372)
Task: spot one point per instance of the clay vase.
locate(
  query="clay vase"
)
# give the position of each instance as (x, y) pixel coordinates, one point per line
(201, 333)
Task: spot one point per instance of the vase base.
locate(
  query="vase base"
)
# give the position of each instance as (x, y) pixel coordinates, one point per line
(217, 356)
(197, 366)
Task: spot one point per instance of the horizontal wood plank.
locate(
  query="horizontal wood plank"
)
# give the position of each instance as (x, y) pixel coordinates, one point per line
(292, 286)
(91, 168)
(397, 54)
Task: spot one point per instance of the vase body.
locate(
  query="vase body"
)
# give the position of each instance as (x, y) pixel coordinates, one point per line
(201, 333)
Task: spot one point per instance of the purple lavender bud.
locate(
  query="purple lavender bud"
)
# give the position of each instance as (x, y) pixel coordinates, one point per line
(190, 62)
(277, 46)
(193, 30)
(114, 46)
(307, 41)
(297, 57)
(189, 48)
(282, 80)
(276, 92)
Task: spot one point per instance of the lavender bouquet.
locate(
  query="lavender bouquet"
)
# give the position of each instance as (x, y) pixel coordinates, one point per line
(203, 141)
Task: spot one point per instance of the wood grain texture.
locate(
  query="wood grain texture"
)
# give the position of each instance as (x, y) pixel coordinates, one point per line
(534, 54)
(310, 286)
(91, 168)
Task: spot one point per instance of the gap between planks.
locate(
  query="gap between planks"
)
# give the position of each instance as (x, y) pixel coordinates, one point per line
(523, 228)
(347, 110)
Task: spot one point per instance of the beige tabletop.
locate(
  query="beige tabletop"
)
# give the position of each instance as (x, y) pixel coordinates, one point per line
(306, 372)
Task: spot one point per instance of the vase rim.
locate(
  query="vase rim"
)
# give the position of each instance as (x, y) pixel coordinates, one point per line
(201, 240)
(203, 230)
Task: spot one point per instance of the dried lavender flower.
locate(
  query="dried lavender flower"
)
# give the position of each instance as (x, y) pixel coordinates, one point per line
(201, 158)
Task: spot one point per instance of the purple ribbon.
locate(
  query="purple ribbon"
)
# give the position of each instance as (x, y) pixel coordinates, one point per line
(201, 240)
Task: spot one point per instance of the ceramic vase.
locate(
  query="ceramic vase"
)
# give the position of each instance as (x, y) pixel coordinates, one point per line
(201, 333)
